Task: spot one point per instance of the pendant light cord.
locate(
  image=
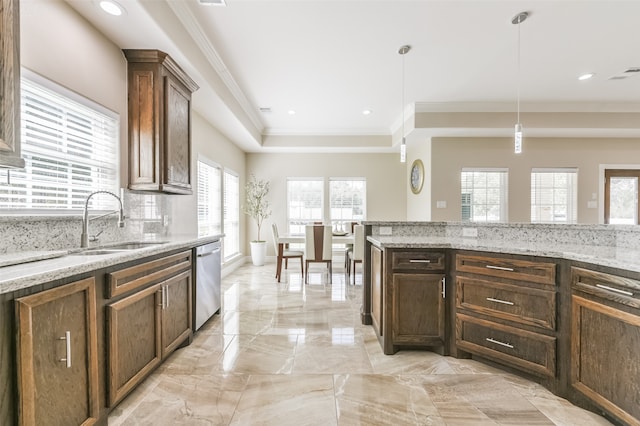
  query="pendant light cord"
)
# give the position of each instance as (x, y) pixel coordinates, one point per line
(518, 82)
(402, 135)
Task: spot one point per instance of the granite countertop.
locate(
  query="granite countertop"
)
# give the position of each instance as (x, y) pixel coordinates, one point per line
(39, 267)
(614, 257)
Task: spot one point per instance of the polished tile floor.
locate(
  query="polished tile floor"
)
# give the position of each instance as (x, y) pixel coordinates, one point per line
(294, 354)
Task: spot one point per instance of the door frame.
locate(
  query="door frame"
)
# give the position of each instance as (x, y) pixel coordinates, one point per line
(601, 183)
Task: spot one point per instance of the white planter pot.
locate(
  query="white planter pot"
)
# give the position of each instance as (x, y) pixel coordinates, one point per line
(258, 252)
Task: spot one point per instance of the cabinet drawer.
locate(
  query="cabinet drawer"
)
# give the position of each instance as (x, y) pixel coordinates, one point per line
(138, 276)
(610, 287)
(520, 304)
(531, 352)
(515, 269)
(417, 260)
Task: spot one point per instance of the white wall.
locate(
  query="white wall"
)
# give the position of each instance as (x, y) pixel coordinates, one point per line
(385, 175)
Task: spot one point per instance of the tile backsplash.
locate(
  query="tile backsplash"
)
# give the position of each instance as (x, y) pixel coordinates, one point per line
(147, 216)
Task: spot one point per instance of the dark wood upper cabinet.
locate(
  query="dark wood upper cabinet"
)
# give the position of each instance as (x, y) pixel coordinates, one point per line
(159, 123)
(10, 85)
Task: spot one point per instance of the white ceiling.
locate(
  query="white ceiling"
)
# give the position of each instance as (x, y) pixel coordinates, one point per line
(330, 59)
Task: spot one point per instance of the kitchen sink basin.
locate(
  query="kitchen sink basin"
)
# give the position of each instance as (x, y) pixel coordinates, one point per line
(131, 246)
(115, 248)
(96, 252)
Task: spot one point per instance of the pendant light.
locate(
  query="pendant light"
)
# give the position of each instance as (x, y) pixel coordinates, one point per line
(517, 20)
(403, 146)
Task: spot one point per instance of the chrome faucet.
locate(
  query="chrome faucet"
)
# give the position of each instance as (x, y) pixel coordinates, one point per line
(84, 238)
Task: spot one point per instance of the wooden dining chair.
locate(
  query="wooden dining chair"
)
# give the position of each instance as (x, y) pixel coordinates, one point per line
(284, 254)
(318, 247)
(357, 254)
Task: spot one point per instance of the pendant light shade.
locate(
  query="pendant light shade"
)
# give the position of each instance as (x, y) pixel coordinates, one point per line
(517, 20)
(403, 145)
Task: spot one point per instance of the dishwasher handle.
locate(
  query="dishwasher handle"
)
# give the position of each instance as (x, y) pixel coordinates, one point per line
(209, 253)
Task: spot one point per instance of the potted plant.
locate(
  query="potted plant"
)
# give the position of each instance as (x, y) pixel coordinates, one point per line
(257, 206)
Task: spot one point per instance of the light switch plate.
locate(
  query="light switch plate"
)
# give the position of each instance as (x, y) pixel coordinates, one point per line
(592, 204)
(441, 204)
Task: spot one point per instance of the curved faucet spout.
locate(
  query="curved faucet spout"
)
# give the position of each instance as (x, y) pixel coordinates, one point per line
(84, 238)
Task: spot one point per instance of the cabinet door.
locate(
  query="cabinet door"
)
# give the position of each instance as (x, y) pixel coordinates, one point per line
(57, 356)
(177, 173)
(604, 357)
(10, 84)
(377, 301)
(176, 312)
(418, 309)
(133, 341)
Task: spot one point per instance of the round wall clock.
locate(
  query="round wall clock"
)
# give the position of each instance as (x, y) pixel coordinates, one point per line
(416, 179)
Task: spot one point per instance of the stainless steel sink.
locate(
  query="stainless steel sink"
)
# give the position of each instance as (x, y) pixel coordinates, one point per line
(131, 246)
(116, 248)
(95, 252)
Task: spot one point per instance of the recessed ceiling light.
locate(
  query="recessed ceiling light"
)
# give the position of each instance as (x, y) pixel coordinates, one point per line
(111, 7)
(586, 76)
(366, 111)
(292, 112)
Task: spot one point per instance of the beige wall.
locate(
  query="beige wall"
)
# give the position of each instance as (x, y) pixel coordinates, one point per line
(60, 45)
(385, 175)
(450, 155)
(419, 205)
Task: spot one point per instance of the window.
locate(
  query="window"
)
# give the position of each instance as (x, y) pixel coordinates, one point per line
(347, 200)
(231, 241)
(554, 195)
(305, 199)
(70, 147)
(621, 196)
(484, 195)
(209, 198)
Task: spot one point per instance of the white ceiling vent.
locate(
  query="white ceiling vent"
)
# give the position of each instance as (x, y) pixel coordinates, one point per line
(213, 2)
(265, 109)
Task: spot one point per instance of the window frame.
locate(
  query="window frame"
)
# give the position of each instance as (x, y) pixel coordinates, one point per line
(571, 205)
(321, 180)
(212, 164)
(102, 204)
(504, 194)
(225, 256)
(335, 221)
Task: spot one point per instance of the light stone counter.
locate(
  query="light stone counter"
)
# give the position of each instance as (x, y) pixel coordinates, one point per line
(616, 246)
(69, 263)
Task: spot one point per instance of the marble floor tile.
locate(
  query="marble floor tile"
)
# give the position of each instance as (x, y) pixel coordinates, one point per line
(294, 354)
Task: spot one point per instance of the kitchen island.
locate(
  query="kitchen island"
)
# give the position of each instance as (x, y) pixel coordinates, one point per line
(534, 299)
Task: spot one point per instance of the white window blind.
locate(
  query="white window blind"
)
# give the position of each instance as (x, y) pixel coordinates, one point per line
(70, 147)
(305, 198)
(231, 241)
(484, 195)
(554, 195)
(209, 198)
(348, 200)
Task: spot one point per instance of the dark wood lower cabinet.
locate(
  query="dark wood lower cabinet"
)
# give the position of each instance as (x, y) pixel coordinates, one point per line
(57, 356)
(377, 300)
(147, 326)
(134, 341)
(417, 309)
(605, 360)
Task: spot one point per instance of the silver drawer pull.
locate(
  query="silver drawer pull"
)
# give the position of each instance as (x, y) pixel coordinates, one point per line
(67, 338)
(504, 302)
(419, 261)
(617, 290)
(499, 268)
(497, 342)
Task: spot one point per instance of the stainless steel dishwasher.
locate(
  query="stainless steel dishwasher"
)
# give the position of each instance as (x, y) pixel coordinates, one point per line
(208, 278)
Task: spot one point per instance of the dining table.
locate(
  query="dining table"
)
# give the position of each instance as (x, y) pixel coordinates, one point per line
(299, 239)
